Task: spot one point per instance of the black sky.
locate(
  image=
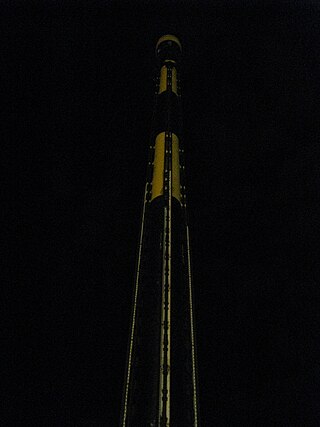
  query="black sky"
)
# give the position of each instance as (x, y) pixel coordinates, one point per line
(80, 79)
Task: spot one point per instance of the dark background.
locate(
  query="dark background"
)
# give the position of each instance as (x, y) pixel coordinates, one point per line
(80, 79)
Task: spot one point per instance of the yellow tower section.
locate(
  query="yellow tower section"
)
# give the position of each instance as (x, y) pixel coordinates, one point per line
(166, 84)
(159, 165)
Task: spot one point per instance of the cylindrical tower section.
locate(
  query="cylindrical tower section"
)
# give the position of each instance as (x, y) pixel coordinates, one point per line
(168, 115)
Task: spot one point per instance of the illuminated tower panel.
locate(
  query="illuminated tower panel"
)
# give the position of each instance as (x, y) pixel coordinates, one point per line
(160, 383)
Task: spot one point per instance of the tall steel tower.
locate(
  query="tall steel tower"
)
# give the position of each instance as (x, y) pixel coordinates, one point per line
(160, 387)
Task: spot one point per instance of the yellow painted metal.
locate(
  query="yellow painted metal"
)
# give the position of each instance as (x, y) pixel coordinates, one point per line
(163, 86)
(169, 37)
(163, 79)
(174, 80)
(158, 166)
(175, 168)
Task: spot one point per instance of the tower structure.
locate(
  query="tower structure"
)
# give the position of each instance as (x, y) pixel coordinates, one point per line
(160, 386)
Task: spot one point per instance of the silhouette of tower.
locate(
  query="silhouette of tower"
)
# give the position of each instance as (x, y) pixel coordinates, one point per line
(160, 387)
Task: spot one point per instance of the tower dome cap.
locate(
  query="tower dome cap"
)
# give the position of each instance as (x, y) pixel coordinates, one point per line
(169, 38)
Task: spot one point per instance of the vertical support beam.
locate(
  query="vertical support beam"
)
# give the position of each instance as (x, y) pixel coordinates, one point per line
(165, 336)
(193, 354)
(134, 312)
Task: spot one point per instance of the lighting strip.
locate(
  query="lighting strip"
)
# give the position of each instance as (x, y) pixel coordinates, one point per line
(134, 312)
(192, 335)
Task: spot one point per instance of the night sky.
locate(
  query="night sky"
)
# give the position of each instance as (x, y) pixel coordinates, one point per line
(80, 79)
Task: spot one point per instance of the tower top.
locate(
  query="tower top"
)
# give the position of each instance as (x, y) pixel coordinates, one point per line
(168, 47)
